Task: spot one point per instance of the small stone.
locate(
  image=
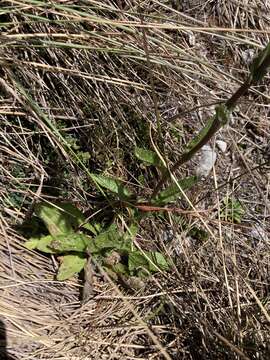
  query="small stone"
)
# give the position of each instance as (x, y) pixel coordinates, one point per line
(259, 237)
(222, 145)
(248, 55)
(168, 235)
(258, 233)
(191, 38)
(207, 161)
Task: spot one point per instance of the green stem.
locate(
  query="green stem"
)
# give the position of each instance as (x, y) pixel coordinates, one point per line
(257, 71)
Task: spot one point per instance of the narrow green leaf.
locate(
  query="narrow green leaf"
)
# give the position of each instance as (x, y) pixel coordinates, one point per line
(70, 242)
(173, 192)
(71, 265)
(148, 156)
(258, 67)
(113, 185)
(222, 114)
(201, 135)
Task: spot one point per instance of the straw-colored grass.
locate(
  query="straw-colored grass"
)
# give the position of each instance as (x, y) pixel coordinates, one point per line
(101, 77)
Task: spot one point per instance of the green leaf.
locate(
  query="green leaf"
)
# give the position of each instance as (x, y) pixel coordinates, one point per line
(31, 244)
(259, 66)
(110, 239)
(44, 245)
(113, 185)
(70, 242)
(232, 210)
(136, 259)
(159, 260)
(60, 218)
(201, 135)
(56, 220)
(130, 234)
(71, 265)
(150, 260)
(95, 228)
(120, 269)
(223, 114)
(212, 125)
(76, 217)
(173, 192)
(148, 156)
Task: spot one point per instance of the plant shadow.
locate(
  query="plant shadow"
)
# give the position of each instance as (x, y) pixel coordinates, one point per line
(3, 343)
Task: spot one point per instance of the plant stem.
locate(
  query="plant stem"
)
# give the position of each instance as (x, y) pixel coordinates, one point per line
(257, 71)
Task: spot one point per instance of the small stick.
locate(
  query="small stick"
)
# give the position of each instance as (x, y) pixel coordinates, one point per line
(146, 208)
(88, 291)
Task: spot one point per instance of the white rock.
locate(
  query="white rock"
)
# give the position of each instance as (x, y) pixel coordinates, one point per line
(248, 55)
(207, 161)
(221, 145)
(258, 233)
(191, 38)
(259, 237)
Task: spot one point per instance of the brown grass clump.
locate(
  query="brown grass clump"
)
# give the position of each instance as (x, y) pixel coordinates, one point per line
(91, 78)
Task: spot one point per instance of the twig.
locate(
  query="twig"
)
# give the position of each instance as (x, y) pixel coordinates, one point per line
(88, 291)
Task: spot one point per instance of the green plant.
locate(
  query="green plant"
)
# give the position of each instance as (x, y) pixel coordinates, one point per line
(69, 235)
(72, 237)
(172, 192)
(232, 210)
(66, 224)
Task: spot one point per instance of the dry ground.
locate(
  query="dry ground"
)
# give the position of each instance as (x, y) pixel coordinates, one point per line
(83, 76)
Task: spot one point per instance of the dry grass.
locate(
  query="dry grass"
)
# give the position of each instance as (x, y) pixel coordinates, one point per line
(83, 76)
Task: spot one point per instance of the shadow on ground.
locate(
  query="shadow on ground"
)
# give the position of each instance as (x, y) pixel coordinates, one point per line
(3, 343)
